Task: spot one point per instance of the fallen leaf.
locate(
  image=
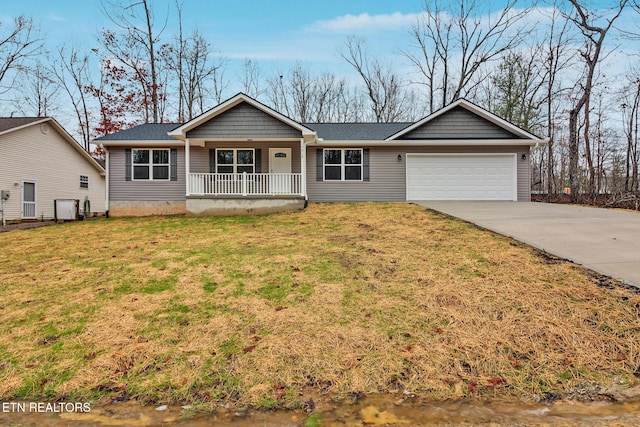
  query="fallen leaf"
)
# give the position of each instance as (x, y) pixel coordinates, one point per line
(496, 381)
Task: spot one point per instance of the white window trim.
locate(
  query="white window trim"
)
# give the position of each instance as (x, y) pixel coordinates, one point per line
(85, 181)
(235, 159)
(150, 165)
(343, 165)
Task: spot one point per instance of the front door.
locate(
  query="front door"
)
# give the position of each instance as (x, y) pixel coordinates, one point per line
(28, 200)
(280, 170)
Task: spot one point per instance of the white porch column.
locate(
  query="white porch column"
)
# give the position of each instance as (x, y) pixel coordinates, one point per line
(303, 167)
(187, 165)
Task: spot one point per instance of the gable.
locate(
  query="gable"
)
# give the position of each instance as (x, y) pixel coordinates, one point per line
(459, 123)
(244, 121)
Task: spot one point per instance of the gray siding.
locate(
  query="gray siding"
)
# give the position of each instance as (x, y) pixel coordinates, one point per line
(244, 121)
(200, 155)
(119, 189)
(458, 123)
(388, 175)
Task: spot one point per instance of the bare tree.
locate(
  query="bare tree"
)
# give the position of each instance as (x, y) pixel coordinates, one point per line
(136, 47)
(594, 37)
(21, 42)
(631, 125)
(556, 59)
(37, 92)
(310, 98)
(454, 44)
(384, 88)
(198, 74)
(70, 70)
(250, 79)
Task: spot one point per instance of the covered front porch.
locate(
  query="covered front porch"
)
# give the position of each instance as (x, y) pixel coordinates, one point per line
(235, 177)
(243, 157)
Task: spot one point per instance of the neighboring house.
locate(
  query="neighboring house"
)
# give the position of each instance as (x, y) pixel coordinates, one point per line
(40, 163)
(243, 156)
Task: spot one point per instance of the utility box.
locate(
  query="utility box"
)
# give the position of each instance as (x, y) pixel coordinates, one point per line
(66, 209)
(4, 194)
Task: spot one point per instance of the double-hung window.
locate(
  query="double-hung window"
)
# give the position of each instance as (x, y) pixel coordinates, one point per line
(235, 160)
(84, 181)
(150, 164)
(342, 164)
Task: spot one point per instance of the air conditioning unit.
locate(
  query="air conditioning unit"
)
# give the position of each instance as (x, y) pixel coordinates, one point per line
(66, 209)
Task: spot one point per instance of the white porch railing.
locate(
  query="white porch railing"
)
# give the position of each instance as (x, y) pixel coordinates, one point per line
(244, 184)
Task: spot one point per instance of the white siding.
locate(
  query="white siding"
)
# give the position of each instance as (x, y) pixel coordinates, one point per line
(53, 164)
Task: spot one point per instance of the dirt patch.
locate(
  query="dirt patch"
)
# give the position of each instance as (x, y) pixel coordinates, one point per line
(26, 225)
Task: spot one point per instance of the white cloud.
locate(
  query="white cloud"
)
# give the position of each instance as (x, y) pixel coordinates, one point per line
(364, 22)
(52, 16)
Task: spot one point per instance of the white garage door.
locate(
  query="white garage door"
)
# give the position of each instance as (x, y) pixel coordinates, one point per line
(461, 177)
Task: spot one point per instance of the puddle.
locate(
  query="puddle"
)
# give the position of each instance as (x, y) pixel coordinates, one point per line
(374, 411)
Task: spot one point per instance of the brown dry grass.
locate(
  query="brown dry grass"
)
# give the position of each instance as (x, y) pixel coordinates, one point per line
(340, 298)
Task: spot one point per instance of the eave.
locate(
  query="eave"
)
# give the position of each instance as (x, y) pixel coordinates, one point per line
(141, 143)
(431, 143)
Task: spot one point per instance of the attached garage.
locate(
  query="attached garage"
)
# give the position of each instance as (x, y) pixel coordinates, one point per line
(461, 176)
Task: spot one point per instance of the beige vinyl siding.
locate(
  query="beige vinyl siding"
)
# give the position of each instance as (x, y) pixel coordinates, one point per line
(388, 175)
(458, 123)
(53, 164)
(200, 155)
(122, 190)
(244, 121)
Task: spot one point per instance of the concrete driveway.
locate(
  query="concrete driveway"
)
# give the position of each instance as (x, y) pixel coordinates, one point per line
(603, 240)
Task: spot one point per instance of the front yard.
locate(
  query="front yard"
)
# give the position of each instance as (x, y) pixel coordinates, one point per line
(340, 299)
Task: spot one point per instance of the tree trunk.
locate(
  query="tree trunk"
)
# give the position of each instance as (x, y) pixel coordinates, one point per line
(573, 152)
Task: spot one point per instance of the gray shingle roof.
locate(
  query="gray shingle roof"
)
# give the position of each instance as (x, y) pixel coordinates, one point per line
(327, 131)
(356, 131)
(143, 132)
(7, 123)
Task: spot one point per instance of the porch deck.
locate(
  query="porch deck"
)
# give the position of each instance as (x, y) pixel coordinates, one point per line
(245, 184)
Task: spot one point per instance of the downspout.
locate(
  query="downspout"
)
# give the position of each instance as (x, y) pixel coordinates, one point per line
(187, 165)
(106, 178)
(303, 168)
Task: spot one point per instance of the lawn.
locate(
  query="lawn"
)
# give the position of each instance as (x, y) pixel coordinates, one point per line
(338, 300)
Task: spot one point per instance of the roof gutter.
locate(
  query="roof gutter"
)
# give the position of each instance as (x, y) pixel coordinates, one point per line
(429, 143)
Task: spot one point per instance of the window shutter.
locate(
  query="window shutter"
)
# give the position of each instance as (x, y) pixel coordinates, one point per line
(212, 160)
(319, 164)
(173, 164)
(365, 164)
(258, 160)
(127, 164)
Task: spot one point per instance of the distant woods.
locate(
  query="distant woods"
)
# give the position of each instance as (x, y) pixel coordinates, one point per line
(544, 68)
